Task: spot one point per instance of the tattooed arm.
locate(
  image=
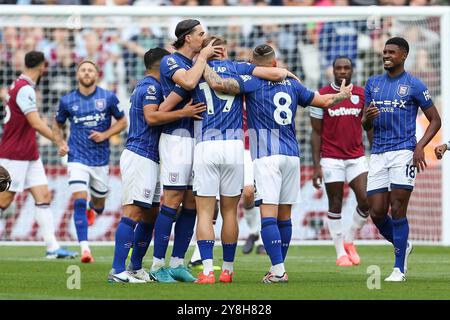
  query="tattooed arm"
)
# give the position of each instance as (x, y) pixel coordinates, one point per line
(216, 82)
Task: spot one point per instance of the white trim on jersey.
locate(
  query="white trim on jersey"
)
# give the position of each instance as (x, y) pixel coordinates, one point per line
(26, 99)
(315, 112)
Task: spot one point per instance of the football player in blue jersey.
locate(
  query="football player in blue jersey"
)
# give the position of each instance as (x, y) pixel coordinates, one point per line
(90, 110)
(392, 102)
(178, 73)
(139, 167)
(271, 108)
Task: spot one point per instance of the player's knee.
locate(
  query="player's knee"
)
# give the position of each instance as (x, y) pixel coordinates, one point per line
(248, 197)
(396, 209)
(47, 196)
(335, 204)
(173, 199)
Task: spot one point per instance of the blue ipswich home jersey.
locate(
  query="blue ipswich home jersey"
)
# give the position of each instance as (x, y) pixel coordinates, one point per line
(169, 65)
(142, 138)
(271, 108)
(398, 100)
(87, 114)
(223, 118)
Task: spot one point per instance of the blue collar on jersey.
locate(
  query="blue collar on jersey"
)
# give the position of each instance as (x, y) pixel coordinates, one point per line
(88, 96)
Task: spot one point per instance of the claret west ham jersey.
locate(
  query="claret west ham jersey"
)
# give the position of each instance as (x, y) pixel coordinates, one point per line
(398, 99)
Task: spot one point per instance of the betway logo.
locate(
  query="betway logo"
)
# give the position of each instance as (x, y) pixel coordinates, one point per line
(344, 112)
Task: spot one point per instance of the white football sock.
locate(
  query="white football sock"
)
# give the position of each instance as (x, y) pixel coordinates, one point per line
(158, 263)
(44, 218)
(227, 266)
(335, 228)
(207, 266)
(84, 245)
(358, 221)
(278, 269)
(176, 262)
(196, 255)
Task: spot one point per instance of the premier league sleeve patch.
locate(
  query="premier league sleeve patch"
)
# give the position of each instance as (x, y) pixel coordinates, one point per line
(100, 104)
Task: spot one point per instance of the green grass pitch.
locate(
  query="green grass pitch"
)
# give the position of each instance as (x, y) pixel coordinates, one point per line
(25, 274)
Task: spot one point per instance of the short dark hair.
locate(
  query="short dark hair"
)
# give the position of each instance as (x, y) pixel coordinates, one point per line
(182, 29)
(34, 58)
(154, 55)
(217, 41)
(342, 57)
(263, 52)
(399, 41)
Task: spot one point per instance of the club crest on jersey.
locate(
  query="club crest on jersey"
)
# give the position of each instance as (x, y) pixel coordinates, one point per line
(173, 177)
(147, 193)
(75, 108)
(402, 90)
(151, 90)
(100, 104)
(354, 99)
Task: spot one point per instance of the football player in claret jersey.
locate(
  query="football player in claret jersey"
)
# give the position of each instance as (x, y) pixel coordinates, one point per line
(338, 156)
(178, 73)
(139, 168)
(19, 152)
(89, 110)
(440, 150)
(271, 108)
(392, 102)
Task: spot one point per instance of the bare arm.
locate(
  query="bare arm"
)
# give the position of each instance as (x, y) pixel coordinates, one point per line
(316, 141)
(57, 129)
(216, 82)
(117, 127)
(369, 113)
(39, 125)
(170, 102)
(188, 79)
(155, 117)
(435, 124)
(329, 100)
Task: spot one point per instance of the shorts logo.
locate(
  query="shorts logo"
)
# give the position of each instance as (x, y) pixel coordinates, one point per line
(147, 193)
(100, 104)
(151, 90)
(173, 177)
(402, 90)
(354, 99)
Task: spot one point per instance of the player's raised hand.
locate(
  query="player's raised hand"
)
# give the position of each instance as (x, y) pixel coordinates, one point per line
(210, 51)
(97, 136)
(440, 150)
(317, 178)
(371, 112)
(194, 110)
(419, 158)
(63, 149)
(347, 90)
(291, 75)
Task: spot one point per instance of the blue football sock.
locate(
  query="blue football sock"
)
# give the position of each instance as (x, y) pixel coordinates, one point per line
(206, 248)
(142, 238)
(184, 229)
(163, 227)
(97, 210)
(272, 239)
(401, 232)
(124, 241)
(229, 251)
(79, 216)
(285, 227)
(386, 228)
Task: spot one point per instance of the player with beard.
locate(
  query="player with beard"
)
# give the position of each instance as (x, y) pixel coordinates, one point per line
(90, 110)
(19, 152)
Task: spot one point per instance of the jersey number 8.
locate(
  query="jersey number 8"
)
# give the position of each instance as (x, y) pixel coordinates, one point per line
(282, 107)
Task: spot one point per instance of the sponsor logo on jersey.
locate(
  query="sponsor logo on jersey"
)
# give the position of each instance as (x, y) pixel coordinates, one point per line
(402, 90)
(342, 111)
(100, 104)
(354, 99)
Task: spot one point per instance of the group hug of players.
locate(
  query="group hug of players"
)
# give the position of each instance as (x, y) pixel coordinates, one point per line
(186, 134)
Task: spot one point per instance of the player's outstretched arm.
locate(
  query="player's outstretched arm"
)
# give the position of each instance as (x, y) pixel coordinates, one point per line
(117, 127)
(433, 127)
(329, 100)
(316, 141)
(39, 125)
(273, 73)
(57, 129)
(216, 82)
(155, 117)
(440, 150)
(170, 102)
(188, 79)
